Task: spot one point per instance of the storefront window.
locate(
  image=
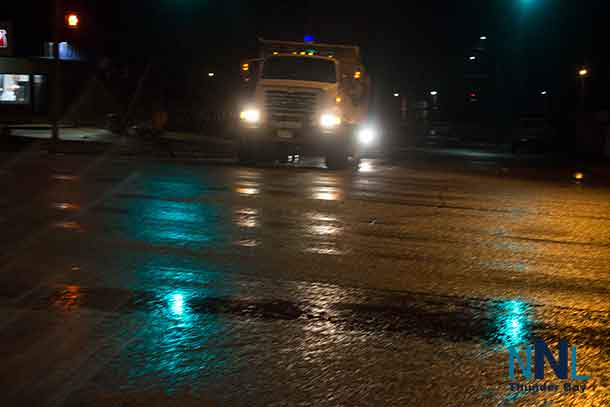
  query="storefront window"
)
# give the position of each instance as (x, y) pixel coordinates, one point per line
(14, 89)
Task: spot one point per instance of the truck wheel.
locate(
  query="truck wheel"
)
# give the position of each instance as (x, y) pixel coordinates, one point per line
(246, 154)
(337, 161)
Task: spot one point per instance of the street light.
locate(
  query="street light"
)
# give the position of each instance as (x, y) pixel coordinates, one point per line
(472, 57)
(433, 93)
(396, 94)
(543, 93)
(583, 72)
(483, 37)
(211, 74)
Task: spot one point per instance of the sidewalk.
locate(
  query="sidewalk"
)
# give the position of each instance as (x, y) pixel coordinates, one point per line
(90, 140)
(66, 133)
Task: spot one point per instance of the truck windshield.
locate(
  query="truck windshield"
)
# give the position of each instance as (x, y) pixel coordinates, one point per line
(300, 68)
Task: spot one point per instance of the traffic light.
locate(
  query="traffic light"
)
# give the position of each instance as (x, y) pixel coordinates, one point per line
(72, 20)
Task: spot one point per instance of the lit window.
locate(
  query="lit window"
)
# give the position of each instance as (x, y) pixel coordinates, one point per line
(14, 89)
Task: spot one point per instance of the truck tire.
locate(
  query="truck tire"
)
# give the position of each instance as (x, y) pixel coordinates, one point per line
(337, 161)
(246, 154)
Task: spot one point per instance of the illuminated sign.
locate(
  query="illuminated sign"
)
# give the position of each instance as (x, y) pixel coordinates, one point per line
(3, 39)
(6, 39)
(542, 352)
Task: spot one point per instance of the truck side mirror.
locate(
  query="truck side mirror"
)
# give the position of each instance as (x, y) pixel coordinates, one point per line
(249, 69)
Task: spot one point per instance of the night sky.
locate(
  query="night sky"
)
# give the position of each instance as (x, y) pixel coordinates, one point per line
(417, 45)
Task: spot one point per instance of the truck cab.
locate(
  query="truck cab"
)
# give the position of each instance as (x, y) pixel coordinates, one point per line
(305, 99)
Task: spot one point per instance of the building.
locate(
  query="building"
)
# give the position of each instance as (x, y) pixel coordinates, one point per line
(24, 78)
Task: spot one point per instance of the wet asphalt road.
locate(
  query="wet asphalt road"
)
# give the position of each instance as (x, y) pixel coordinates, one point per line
(142, 283)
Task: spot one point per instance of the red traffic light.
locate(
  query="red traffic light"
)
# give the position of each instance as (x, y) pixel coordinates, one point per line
(72, 20)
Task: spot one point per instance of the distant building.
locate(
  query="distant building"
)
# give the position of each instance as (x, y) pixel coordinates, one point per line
(24, 79)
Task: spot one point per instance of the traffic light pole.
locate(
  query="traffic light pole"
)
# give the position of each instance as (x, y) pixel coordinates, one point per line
(581, 103)
(56, 86)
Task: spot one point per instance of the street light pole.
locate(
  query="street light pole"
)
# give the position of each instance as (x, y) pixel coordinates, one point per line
(583, 73)
(546, 104)
(582, 94)
(434, 95)
(403, 108)
(56, 85)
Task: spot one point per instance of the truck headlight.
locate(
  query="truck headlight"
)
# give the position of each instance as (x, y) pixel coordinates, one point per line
(367, 135)
(250, 115)
(329, 120)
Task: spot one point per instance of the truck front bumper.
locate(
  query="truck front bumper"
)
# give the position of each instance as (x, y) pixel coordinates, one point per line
(306, 141)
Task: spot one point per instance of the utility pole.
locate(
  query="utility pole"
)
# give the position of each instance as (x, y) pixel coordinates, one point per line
(583, 74)
(56, 86)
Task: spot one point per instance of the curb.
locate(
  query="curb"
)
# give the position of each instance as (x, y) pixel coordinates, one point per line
(153, 148)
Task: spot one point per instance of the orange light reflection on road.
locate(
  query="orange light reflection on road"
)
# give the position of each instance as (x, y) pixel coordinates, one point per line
(62, 177)
(247, 218)
(366, 166)
(72, 225)
(65, 206)
(69, 298)
(247, 191)
(326, 193)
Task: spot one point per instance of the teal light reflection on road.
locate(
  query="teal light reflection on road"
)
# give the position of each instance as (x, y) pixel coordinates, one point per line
(177, 222)
(512, 322)
(172, 210)
(175, 344)
(177, 304)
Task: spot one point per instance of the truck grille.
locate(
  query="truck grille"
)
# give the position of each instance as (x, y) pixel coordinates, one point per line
(290, 106)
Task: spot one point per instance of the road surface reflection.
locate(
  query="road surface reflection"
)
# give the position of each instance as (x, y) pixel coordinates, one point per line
(511, 322)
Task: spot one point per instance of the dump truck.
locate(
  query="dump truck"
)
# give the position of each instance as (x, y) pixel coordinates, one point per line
(305, 98)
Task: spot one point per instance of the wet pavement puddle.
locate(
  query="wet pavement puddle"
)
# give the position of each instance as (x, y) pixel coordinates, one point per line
(456, 319)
